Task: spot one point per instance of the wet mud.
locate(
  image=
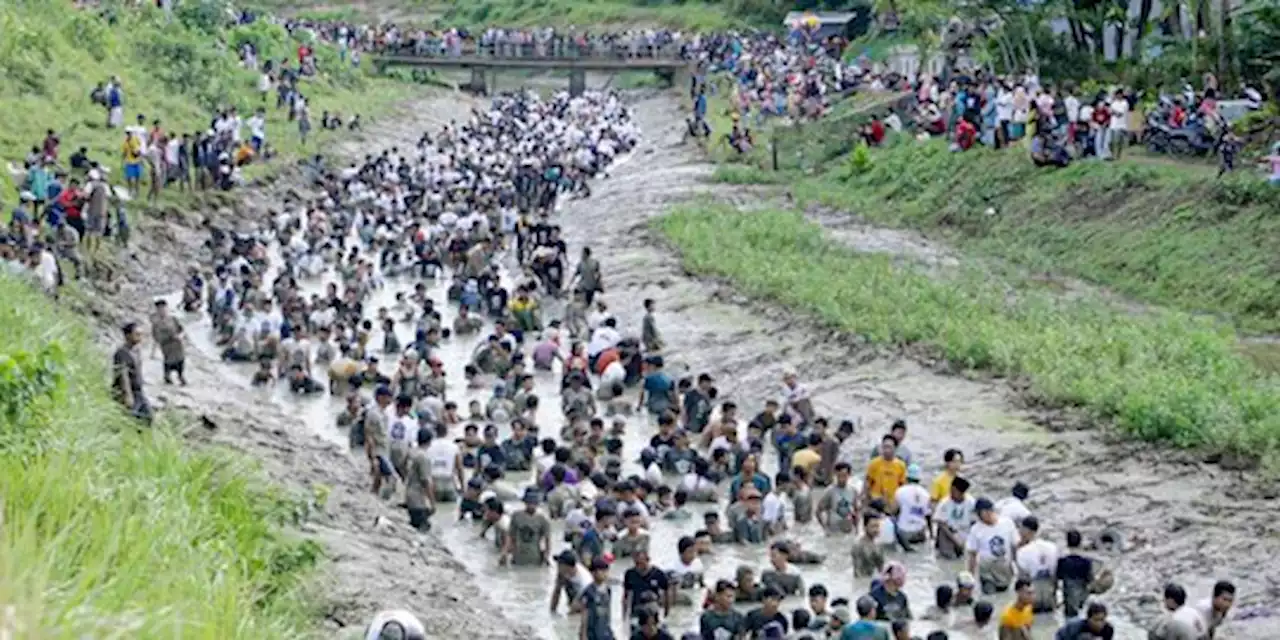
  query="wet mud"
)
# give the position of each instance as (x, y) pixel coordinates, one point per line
(1182, 519)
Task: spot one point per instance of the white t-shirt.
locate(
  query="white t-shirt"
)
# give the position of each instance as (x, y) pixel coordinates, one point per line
(442, 453)
(1038, 559)
(1004, 106)
(957, 515)
(401, 430)
(1119, 112)
(773, 509)
(602, 339)
(693, 569)
(993, 541)
(1013, 509)
(913, 505)
(1189, 617)
(613, 374)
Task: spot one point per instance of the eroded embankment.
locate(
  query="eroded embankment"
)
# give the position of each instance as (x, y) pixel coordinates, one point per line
(373, 560)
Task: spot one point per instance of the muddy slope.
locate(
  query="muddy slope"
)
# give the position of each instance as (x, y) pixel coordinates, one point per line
(1184, 519)
(374, 560)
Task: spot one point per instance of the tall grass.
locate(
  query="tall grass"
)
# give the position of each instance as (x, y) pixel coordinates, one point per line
(1162, 232)
(701, 16)
(1164, 377)
(112, 533)
(52, 55)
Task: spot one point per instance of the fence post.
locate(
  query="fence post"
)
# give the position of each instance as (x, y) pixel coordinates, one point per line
(773, 147)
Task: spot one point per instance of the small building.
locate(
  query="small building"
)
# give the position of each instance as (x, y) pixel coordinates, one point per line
(824, 24)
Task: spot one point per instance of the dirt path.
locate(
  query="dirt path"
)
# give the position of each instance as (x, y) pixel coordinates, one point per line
(374, 561)
(1183, 519)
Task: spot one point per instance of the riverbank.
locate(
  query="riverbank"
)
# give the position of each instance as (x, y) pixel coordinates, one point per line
(320, 554)
(1160, 232)
(1166, 504)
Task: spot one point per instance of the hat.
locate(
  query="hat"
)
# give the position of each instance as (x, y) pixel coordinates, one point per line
(913, 471)
(532, 495)
(599, 564)
(964, 580)
(27, 196)
(983, 504)
(383, 391)
(94, 175)
(841, 614)
(567, 558)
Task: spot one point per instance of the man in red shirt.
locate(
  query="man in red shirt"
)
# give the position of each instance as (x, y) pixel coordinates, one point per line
(966, 134)
(877, 131)
(70, 201)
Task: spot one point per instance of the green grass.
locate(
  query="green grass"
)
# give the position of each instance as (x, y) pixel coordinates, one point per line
(597, 14)
(1158, 231)
(52, 56)
(111, 533)
(1164, 376)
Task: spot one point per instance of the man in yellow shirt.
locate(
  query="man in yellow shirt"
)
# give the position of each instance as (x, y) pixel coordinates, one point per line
(885, 473)
(131, 154)
(1015, 622)
(953, 459)
(808, 457)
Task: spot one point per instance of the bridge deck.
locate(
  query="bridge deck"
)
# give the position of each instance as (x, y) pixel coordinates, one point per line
(489, 62)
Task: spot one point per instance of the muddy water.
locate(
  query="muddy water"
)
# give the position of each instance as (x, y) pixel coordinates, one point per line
(747, 347)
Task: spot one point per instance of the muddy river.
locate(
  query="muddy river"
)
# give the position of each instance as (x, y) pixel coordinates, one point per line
(746, 346)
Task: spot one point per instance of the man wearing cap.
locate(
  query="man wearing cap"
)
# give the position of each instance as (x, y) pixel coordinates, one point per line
(914, 517)
(377, 443)
(571, 581)
(96, 194)
(992, 548)
(530, 541)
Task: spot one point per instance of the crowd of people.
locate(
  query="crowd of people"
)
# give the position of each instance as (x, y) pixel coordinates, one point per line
(335, 295)
(1064, 123)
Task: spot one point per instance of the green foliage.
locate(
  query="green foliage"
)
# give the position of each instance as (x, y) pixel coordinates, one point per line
(1161, 232)
(1159, 376)
(704, 15)
(108, 530)
(52, 56)
(858, 162)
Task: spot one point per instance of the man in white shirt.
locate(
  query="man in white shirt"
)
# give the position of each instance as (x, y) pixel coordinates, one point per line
(952, 519)
(991, 548)
(604, 338)
(446, 464)
(1038, 562)
(913, 508)
(1014, 508)
(1119, 107)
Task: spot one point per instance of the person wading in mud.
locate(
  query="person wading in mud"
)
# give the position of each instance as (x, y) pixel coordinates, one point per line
(126, 378)
(167, 337)
(419, 486)
(530, 541)
(991, 548)
(377, 444)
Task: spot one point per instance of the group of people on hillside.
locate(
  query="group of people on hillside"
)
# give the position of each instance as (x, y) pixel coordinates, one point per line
(1062, 123)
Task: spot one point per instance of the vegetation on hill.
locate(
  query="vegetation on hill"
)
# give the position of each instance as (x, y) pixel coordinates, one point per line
(108, 531)
(179, 71)
(1162, 232)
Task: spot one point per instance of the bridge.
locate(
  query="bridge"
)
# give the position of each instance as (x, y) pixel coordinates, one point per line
(485, 61)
